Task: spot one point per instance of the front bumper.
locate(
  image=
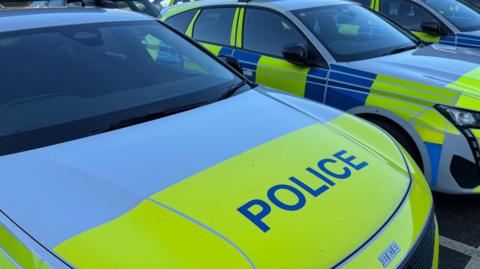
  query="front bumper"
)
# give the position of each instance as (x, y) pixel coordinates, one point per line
(459, 164)
(412, 228)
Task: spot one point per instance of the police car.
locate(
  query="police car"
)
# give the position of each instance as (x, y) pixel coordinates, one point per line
(453, 22)
(142, 6)
(125, 145)
(346, 56)
(160, 4)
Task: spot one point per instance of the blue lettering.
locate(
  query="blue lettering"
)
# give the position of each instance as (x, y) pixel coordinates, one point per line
(256, 218)
(348, 160)
(273, 198)
(313, 192)
(346, 172)
(320, 176)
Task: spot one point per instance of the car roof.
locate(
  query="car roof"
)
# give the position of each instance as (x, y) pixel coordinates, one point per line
(32, 18)
(284, 5)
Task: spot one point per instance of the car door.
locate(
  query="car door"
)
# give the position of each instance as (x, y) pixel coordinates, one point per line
(411, 16)
(260, 39)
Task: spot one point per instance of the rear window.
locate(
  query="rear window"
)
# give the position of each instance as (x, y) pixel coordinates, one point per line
(182, 20)
(214, 25)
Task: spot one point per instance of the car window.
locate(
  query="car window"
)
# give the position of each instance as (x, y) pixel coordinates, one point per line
(97, 75)
(141, 6)
(268, 33)
(182, 20)
(351, 32)
(175, 2)
(214, 25)
(476, 3)
(464, 16)
(50, 3)
(366, 3)
(406, 13)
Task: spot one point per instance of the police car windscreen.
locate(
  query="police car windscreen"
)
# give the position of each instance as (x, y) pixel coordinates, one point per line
(89, 76)
(466, 17)
(351, 32)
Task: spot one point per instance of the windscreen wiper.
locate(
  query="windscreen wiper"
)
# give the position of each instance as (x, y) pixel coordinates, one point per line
(401, 49)
(232, 90)
(163, 113)
(148, 117)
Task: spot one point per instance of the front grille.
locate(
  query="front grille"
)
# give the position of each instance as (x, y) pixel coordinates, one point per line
(421, 255)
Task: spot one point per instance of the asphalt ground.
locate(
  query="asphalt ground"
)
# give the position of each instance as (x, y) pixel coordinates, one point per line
(459, 223)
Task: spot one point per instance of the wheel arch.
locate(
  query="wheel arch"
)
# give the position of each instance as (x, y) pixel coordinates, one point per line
(367, 113)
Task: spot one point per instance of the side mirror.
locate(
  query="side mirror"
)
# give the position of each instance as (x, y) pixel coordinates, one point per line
(296, 53)
(432, 27)
(232, 62)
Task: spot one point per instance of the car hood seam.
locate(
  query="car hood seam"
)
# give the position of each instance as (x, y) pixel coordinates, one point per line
(208, 228)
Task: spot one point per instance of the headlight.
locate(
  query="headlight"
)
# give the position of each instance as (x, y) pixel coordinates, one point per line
(460, 117)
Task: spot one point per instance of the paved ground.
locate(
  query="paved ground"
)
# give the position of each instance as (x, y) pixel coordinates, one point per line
(459, 221)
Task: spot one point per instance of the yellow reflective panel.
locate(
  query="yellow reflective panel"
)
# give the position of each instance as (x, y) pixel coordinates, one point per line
(405, 227)
(430, 135)
(5, 262)
(429, 38)
(179, 9)
(477, 189)
(403, 108)
(413, 91)
(150, 236)
(241, 15)
(434, 120)
(468, 83)
(372, 137)
(469, 102)
(415, 171)
(280, 74)
(212, 48)
(404, 230)
(436, 251)
(315, 234)
(18, 251)
(189, 31)
(233, 33)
